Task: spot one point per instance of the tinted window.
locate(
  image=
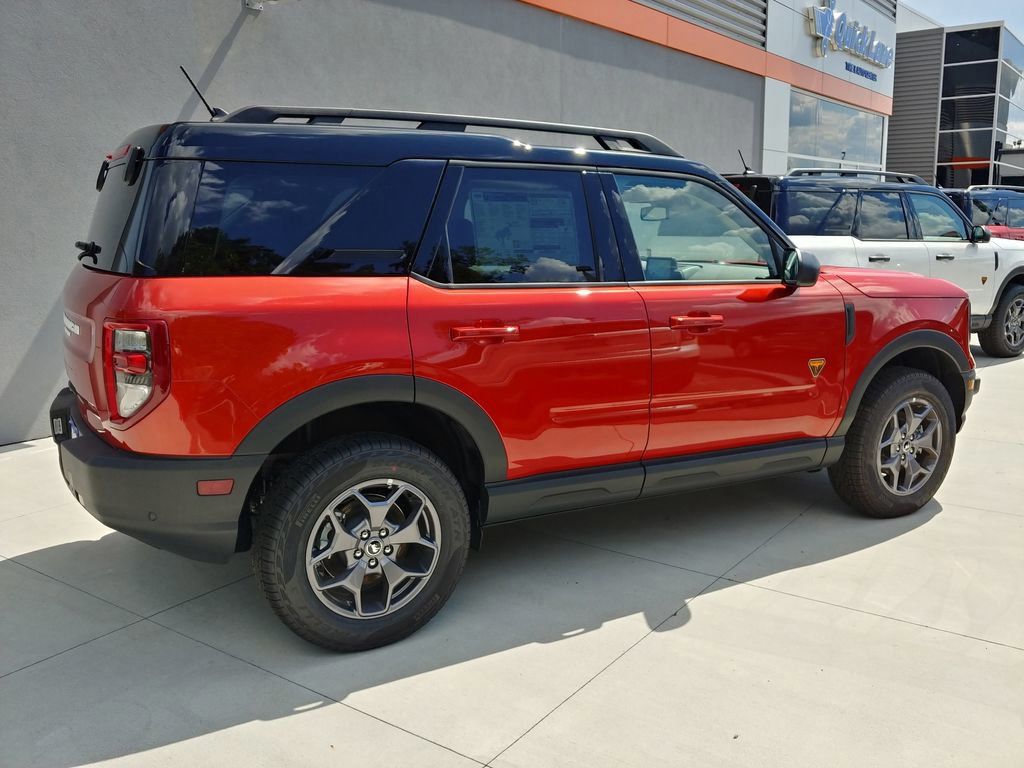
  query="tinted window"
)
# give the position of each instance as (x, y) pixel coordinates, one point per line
(965, 147)
(819, 212)
(1015, 213)
(520, 226)
(881, 217)
(970, 79)
(938, 218)
(972, 45)
(249, 217)
(110, 218)
(967, 113)
(687, 230)
(376, 230)
(962, 175)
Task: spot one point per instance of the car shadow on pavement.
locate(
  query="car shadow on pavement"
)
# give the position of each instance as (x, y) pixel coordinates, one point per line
(544, 606)
(982, 360)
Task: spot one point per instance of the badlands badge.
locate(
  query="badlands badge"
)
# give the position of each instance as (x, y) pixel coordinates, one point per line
(817, 365)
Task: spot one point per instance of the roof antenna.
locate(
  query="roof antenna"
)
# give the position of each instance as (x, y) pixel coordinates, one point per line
(214, 111)
(746, 168)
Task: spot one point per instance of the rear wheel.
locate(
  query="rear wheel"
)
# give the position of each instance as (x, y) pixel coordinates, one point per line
(899, 446)
(362, 541)
(1005, 335)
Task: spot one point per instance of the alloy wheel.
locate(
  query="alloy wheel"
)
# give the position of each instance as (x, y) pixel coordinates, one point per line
(1014, 325)
(910, 446)
(373, 548)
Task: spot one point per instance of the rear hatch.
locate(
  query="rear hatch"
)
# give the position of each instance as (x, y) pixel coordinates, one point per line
(105, 261)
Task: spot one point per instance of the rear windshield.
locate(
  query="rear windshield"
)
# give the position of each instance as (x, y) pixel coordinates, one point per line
(110, 219)
(254, 218)
(818, 212)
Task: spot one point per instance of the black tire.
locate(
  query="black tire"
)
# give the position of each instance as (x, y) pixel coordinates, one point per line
(297, 501)
(993, 339)
(856, 476)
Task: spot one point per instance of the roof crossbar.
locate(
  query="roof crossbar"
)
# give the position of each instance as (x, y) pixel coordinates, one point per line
(607, 138)
(902, 178)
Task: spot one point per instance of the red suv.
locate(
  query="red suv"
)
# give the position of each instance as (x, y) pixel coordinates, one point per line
(350, 348)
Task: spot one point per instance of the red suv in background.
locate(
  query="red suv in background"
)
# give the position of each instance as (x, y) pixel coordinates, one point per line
(351, 348)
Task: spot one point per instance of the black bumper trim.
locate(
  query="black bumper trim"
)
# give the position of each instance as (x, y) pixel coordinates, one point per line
(150, 498)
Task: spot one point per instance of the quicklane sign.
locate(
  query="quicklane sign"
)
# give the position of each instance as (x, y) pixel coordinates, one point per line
(836, 31)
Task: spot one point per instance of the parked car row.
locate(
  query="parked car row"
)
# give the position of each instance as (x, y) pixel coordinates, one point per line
(896, 221)
(351, 349)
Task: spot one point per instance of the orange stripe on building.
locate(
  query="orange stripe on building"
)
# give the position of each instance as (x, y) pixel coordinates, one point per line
(655, 26)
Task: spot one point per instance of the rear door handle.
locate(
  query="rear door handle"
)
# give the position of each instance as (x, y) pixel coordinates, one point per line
(486, 333)
(696, 323)
(944, 257)
(879, 257)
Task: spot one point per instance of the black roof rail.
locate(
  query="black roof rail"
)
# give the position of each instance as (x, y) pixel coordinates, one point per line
(1007, 187)
(902, 178)
(607, 138)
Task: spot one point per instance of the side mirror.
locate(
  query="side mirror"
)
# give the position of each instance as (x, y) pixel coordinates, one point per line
(653, 213)
(800, 270)
(980, 234)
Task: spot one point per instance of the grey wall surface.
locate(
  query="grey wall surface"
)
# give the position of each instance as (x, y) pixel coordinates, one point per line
(79, 75)
(914, 125)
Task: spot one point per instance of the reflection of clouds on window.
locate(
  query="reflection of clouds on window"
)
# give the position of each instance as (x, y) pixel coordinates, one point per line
(643, 193)
(822, 128)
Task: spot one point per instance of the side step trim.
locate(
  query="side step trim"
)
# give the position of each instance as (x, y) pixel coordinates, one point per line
(561, 491)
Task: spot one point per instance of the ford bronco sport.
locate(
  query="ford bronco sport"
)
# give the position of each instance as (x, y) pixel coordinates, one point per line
(890, 220)
(349, 348)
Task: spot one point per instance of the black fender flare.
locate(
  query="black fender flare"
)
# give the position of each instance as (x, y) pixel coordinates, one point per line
(381, 388)
(922, 339)
(1017, 272)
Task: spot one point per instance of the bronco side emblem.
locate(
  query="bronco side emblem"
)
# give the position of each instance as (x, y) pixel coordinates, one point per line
(816, 364)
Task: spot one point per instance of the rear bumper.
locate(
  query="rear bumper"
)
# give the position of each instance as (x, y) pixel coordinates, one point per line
(152, 499)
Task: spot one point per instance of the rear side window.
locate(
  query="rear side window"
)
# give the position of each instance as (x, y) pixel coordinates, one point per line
(251, 218)
(882, 217)
(520, 226)
(819, 212)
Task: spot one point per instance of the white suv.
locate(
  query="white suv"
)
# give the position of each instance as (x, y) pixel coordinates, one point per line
(897, 221)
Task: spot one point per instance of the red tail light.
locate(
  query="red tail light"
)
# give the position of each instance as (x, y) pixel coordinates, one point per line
(136, 367)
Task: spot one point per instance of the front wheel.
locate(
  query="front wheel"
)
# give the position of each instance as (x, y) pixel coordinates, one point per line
(361, 541)
(1004, 337)
(899, 446)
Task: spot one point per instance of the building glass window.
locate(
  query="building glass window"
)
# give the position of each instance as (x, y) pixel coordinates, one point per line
(959, 176)
(825, 133)
(1010, 118)
(964, 114)
(970, 79)
(972, 45)
(1011, 86)
(965, 146)
(1013, 51)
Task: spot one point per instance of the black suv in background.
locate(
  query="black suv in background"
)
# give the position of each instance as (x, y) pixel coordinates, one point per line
(1001, 209)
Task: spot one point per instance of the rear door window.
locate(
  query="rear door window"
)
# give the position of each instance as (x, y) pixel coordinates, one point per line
(819, 212)
(882, 217)
(520, 226)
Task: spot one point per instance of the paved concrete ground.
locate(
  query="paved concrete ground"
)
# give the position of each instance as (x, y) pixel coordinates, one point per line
(762, 625)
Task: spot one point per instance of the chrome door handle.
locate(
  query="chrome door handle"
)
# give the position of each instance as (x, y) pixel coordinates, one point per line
(879, 257)
(944, 257)
(488, 333)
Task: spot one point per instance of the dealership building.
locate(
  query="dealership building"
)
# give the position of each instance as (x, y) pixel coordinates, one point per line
(784, 83)
(958, 114)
